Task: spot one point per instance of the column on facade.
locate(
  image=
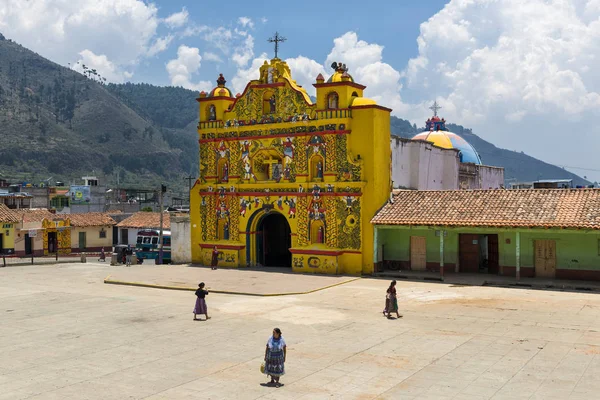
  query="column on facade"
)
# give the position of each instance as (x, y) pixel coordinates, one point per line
(442, 253)
(518, 254)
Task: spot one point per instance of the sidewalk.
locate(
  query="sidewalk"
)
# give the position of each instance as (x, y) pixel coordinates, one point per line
(482, 279)
(46, 260)
(252, 282)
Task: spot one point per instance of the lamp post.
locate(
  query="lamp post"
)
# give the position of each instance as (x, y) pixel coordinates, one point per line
(163, 189)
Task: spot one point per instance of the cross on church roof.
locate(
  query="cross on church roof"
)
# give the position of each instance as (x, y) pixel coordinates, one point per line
(435, 107)
(276, 39)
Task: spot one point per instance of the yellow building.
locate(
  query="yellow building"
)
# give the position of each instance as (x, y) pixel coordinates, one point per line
(8, 219)
(288, 182)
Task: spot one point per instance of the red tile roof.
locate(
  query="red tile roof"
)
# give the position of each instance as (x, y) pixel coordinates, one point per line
(144, 219)
(91, 219)
(7, 215)
(36, 214)
(532, 208)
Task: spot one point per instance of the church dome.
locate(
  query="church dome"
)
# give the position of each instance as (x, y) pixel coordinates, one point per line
(437, 134)
(341, 74)
(221, 90)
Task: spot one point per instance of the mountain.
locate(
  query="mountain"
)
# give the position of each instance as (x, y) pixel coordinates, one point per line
(60, 123)
(518, 166)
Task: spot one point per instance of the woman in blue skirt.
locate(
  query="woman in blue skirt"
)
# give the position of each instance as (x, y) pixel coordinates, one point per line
(275, 354)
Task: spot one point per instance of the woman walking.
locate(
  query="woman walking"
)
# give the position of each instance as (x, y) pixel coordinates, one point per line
(200, 307)
(215, 258)
(275, 355)
(391, 301)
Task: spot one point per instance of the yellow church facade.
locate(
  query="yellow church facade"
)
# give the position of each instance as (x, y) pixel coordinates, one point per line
(285, 181)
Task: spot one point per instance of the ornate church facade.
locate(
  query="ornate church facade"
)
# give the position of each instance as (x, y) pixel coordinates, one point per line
(285, 181)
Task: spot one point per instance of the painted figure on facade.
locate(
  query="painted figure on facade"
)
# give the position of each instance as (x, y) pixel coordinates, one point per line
(243, 207)
(349, 200)
(256, 202)
(291, 203)
(222, 150)
(288, 150)
(320, 170)
(333, 100)
(287, 172)
(245, 147)
(316, 192)
(248, 172)
(212, 113)
(272, 104)
(225, 172)
(316, 143)
(276, 175)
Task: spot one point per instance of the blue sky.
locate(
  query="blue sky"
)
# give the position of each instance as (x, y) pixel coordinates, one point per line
(522, 74)
(309, 29)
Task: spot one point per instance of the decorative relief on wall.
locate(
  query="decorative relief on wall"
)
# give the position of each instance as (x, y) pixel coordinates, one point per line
(331, 234)
(276, 104)
(302, 213)
(347, 171)
(348, 222)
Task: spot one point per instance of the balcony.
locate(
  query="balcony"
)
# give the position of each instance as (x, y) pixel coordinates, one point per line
(334, 113)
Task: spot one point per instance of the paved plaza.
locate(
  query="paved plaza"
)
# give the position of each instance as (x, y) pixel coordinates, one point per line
(64, 334)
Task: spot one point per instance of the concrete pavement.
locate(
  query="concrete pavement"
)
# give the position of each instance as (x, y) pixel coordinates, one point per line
(64, 334)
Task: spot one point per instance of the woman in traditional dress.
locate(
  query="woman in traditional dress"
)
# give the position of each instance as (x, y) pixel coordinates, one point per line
(275, 355)
(215, 258)
(391, 301)
(200, 307)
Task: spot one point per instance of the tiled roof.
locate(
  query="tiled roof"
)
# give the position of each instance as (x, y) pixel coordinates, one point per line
(91, 219)
(7, 215)
(533, 208)
(36, 214)
(146, 220)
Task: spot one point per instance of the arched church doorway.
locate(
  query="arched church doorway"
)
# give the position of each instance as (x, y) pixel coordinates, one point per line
(274, 241)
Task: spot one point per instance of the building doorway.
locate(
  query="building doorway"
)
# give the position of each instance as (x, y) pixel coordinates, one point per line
(52, 242)
(418, 253)
(273, 241)
(545, 258)
(28, 245)
(124, 236)
(478, 253)
(82, 244)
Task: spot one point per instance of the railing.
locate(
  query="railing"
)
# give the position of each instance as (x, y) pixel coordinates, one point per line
(334, 113)
(210, 125)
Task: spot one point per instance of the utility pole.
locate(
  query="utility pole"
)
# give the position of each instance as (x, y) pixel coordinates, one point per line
(163, 189)
(190, 178)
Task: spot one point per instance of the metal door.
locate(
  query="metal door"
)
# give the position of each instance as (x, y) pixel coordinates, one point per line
(468, 250)
(82, 244)
(418, 253)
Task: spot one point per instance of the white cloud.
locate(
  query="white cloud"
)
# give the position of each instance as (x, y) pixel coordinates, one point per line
(305, 71)
(516, 71)
(120, 30)
(208, 56)
(264, 20)
(178, 19)
(184, 67)
(243, 76)
(246, 22)
(160, 45)
(244, 53)
(364, 62)
(103, 65)
(219, 38)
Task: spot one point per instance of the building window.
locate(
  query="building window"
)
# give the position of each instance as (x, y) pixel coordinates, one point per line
(102, 234)
(332, 101)
(212, 113)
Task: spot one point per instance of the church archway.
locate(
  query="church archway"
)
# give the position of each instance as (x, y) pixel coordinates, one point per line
(273, 241)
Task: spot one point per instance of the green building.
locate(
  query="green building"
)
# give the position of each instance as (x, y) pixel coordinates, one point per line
(549, 233)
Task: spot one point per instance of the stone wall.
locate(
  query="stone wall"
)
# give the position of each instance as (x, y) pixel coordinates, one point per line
(181, 252)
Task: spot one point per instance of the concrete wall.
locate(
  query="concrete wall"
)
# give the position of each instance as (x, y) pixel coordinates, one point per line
(473, 176)
(181, 250)
(131, 236)
(577, 252)
(92, 238)
(420, 165)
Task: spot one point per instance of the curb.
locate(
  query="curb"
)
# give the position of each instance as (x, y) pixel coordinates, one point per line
(109, 281)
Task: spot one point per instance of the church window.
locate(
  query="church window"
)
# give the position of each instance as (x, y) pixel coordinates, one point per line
(223, 170)
(222, 229)
(317, 168)
(269, 103)
(267, 165)
(332, 100)
(212, 113)
(354, 94)
(317, 232)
